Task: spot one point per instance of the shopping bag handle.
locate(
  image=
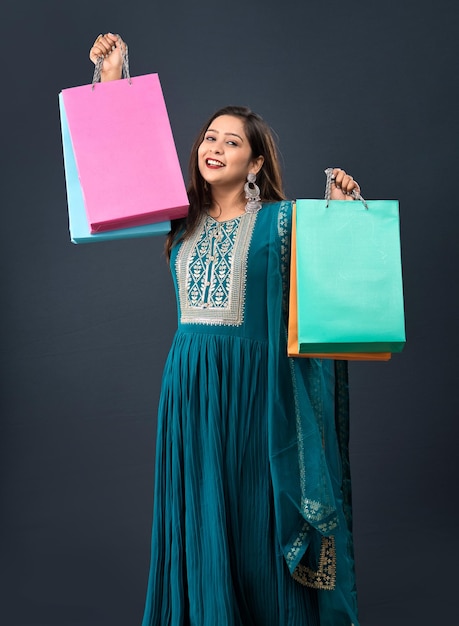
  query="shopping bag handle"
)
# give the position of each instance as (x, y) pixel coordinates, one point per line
(355, 194)
(125, 67)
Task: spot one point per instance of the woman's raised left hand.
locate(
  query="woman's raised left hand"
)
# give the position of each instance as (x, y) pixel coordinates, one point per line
(343, 185)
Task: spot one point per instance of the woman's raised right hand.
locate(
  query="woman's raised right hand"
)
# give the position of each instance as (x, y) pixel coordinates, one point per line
(109, 47)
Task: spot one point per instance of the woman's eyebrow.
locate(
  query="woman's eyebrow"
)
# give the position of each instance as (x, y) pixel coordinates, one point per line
(235, 135)
(213, 130)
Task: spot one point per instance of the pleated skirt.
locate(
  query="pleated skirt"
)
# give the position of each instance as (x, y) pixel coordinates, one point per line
(215, 559)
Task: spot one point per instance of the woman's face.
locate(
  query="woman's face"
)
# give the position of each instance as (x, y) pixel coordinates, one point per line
(225, 155)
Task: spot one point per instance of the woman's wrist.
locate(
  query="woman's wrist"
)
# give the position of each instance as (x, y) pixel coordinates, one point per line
(114, 74)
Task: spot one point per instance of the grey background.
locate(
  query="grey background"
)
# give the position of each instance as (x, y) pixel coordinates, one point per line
(371, 87)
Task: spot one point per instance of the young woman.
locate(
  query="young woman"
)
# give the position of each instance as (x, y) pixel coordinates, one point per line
(252, 517)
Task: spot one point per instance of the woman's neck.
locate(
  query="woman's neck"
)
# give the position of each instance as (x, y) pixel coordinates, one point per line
(226, 204)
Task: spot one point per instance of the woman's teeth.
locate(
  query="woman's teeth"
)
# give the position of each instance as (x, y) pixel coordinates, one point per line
(214, 163)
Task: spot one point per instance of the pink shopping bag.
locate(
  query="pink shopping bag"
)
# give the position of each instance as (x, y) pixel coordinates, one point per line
(125, 153)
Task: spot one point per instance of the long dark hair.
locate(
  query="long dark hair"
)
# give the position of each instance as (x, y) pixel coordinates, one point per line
(269, 178)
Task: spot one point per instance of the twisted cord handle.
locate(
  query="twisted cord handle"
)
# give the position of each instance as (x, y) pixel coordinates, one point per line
(330, 179)
(125, 67)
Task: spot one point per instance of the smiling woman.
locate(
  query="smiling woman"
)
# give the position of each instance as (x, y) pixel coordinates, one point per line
(252, 517)
(225, 159)
(242, 142)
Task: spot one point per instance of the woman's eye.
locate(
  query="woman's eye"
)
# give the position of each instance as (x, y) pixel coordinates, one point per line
(210, 138)
(232, 143)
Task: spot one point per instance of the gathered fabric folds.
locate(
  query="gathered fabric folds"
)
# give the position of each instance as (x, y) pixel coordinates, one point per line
(252, 517)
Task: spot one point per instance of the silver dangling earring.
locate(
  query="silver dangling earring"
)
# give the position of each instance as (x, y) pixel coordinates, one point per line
(252, 194)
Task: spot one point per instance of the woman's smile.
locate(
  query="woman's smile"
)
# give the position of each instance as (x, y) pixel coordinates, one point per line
(214, 163)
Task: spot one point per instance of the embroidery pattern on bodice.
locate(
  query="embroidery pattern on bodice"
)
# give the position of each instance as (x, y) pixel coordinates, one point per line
(211, 269)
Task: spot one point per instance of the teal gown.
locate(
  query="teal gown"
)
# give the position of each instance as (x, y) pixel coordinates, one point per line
(252, 517)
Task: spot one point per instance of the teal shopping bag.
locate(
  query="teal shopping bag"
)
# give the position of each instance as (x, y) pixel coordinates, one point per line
(349, 276)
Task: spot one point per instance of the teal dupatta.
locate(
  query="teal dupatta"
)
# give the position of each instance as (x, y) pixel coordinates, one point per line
(309, 460)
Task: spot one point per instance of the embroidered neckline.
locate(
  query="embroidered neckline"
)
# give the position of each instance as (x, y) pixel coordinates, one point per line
(211, 269)
(232, 219)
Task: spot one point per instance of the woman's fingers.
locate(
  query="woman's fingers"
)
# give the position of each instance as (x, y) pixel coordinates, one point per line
(345, 182)
(104, 45)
